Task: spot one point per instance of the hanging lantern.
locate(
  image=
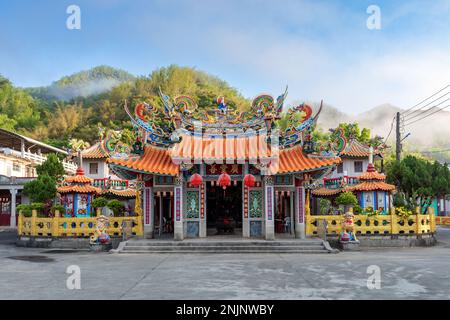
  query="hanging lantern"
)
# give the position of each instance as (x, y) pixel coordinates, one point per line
(196, 180)
(249, 180)
(224, 180)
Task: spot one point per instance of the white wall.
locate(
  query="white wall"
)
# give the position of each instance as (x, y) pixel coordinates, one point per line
(7, 167)
(103, 169)
(349, 167)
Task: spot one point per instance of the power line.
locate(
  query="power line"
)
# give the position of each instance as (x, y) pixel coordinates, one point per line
(440, 109)
(422, 114)
(404, 113)
(418, 114)
(390, 131)
(437, 151)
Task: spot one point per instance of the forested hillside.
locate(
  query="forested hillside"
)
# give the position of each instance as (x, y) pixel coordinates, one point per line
(43, 115)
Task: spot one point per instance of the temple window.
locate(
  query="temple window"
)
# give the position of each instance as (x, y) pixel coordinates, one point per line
(16, 166)
(358, 166)
(93, 168)
(340, 168)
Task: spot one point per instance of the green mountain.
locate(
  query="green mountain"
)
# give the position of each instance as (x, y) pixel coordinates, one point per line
(82, 84)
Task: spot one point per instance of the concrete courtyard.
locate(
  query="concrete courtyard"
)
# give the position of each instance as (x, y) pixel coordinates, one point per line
(406, 273)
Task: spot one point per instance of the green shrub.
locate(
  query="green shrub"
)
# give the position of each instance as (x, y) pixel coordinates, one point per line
(38, 206)
(60, 208)
(117, 207)
(325, 205)
(346, 199)
(357, 209)
(24, 209)
(99, 202)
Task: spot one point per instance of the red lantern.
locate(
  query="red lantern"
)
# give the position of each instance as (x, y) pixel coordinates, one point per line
(196, 180)
(249, 180)
(224, 180)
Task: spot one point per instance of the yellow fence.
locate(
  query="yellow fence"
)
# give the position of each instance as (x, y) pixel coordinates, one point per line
(390, 224)
(443, 221)
(72, 227)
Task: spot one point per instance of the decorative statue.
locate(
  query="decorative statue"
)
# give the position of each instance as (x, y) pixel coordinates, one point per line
(348, 228)
(222, 105)
(101, 236)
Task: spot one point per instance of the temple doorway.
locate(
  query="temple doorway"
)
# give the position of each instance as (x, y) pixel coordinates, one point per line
(224, 209)
(163, 214)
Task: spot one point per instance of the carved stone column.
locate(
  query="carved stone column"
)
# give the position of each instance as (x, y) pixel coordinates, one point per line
(178, 233)
(269, 208)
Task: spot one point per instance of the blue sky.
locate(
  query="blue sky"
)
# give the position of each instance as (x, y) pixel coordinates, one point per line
(321, 49)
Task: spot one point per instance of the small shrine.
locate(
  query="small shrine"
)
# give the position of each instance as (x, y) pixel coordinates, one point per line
(77, 194)
(372, 191)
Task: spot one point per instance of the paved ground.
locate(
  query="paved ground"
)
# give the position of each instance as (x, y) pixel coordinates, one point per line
(406, 273)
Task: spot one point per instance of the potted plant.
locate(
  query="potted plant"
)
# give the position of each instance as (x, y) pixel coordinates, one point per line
(99, 203)
(325, 206)
(347, 200)
(117, 207)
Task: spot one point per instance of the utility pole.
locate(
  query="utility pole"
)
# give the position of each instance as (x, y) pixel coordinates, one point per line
(398, 145)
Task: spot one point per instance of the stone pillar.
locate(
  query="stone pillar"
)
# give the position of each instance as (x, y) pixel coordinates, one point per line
(300, 231)
(178, 232)
(12, 222)
(148, 206)
(245, 223)
(202, 226)
(269, 208)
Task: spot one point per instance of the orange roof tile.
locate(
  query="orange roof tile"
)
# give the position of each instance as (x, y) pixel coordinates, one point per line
(372, 186)
(79, 189)
(78, 179)
(96, 151)
(231, 148)
(324, 192)
(126, 193)
(371, 174)
(356, 149)
(154, 160)
(294, 160)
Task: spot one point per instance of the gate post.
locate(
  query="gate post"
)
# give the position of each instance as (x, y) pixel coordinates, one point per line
(178, 232)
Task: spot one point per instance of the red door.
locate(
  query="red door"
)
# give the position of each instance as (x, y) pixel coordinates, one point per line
(5, 208)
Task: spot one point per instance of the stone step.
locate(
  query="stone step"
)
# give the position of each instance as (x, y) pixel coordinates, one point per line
(226, 252)
(227, 243)
(219, 248)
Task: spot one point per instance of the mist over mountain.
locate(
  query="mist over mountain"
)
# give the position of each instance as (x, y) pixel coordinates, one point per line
(82, 84)
(432, 131)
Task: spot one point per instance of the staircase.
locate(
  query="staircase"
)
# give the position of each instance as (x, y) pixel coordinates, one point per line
(308, 246)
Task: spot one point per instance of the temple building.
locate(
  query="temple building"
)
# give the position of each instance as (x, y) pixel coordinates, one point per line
(204, 172)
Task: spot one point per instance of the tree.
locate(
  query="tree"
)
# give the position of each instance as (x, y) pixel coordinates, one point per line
(419, 180)
(51, 167)
(41, 190)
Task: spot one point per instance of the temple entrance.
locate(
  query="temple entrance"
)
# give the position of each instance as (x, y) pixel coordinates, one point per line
(224, 209)
(163, 214)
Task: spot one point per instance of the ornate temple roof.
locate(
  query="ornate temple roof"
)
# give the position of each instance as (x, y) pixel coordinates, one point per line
(177, 136)
(326, 192)
(78, 184)
(96, 151)
(372, 186)
(125, 193)
(238, 147)
(355, 149)
(372, 181)
(154, 160)
(293, 159)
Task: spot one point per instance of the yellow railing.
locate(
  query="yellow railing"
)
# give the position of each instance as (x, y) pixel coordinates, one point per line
(72, 227)
(390, 224)
(443, 221)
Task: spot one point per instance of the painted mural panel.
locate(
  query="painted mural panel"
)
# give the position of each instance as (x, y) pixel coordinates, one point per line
(82, 207)
(255, 204)
(192, 204)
